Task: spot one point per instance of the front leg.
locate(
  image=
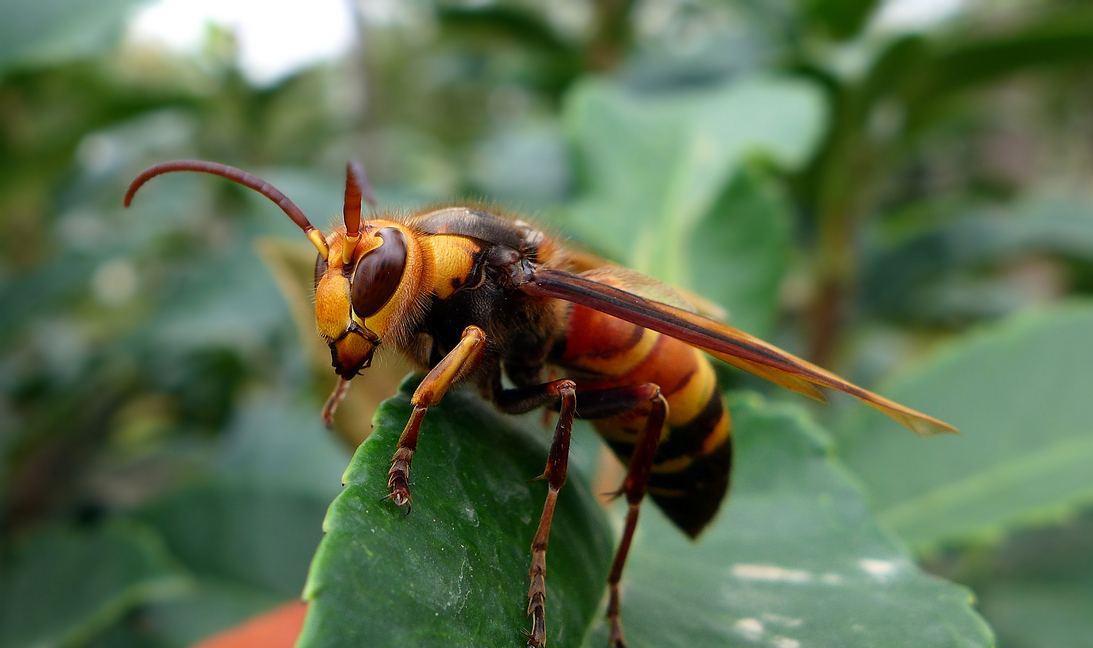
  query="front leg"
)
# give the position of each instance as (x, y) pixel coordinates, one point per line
(446, 373)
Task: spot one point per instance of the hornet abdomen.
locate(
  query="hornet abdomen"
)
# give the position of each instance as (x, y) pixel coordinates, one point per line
(690, 473)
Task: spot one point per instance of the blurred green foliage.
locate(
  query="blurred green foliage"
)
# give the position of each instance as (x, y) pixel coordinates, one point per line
(906, 204)
(1019, 460)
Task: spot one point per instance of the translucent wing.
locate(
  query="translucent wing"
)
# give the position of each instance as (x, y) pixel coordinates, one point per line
(581, 260)
(719, 340)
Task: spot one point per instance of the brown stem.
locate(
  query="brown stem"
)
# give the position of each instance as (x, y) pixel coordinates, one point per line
(612, 36)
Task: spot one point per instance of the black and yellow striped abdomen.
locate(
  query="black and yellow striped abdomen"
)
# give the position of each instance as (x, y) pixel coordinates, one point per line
(691, 470)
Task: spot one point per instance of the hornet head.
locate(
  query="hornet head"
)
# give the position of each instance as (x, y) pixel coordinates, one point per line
(358, 271)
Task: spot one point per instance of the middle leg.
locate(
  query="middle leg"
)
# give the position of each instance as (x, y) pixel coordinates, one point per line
(557, 465)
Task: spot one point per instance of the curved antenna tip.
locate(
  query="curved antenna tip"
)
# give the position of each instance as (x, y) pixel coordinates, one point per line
(251, 181)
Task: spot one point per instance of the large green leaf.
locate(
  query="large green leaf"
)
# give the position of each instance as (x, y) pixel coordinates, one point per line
(62, 584)
(653, 164)
(1019, 392)
(838, 18)
(1051, 39)
(224, 532)
(53, 31)
(454, 571)
(668, 191)
(1034, 588)
(914, 278)
(245, 533)
(796, 558)
(926, 71)
(740, 250)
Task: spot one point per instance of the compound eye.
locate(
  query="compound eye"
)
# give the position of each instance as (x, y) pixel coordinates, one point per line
(378, 273)
(320, 269)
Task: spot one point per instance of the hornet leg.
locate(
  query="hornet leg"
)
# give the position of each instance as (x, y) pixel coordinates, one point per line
(450, 369)
(555, 472)
(593, 404)
(633, 486)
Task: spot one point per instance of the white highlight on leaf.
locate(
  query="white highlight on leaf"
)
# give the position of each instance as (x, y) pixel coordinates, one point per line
(772, 573)
(784, 642)
(750, 628)
(458, 598)
(831, 578)
(880, 569)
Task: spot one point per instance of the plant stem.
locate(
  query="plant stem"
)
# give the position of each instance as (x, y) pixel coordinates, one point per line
(612, 34)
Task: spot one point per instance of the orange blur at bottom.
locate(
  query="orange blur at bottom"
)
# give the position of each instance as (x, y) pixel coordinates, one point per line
(278, 628)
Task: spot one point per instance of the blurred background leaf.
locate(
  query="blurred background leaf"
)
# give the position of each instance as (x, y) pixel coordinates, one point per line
(1034, 585)
(667, 191)
(51, 31)
(741, 250)
(838, 19)
(982, 264)
(69, 583)
(1016, 393)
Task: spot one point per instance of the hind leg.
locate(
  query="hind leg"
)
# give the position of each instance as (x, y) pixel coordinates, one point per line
(634, 487)
(557, 466)
(600, 403)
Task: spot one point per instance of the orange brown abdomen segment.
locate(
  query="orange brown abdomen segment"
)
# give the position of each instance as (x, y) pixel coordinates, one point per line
(691, 469)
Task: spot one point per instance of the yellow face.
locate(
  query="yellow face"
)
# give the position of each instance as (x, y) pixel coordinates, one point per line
(359, 269)
(355, 281)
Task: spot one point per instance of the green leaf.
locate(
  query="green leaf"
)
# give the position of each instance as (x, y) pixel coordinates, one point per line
(794, 559)
(526, 46)
(278, 442)
(741, 249)
(529, 29)
(63, 584)
(925, 72)
(911, 278)
(654, 164)
(53, 31)
(454, 571)
(276, 473)
(839, 18)
(247, 531)
(215, 301)
(1019, 392)
(1035, 587)
(1035, 613)
(1059, 39)
(225, 533)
